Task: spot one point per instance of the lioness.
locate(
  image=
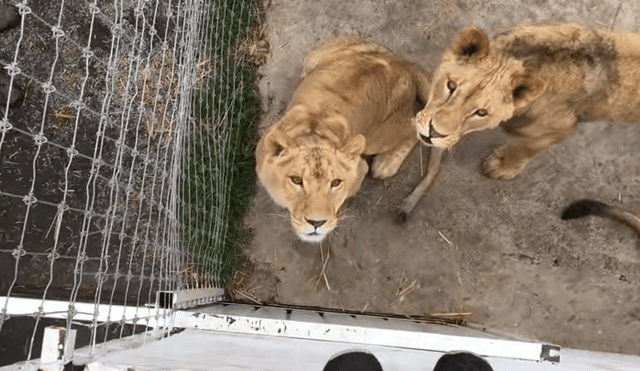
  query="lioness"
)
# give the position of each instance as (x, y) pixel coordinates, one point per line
(537, 81)
(354, 98)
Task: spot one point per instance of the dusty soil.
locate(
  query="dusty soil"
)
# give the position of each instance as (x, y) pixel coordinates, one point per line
(496, 249)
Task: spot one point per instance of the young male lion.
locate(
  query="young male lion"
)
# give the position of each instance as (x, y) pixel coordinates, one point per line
(537, 81)
(354, 98)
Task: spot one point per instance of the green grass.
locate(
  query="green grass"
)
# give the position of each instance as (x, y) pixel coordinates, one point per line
(219, 165)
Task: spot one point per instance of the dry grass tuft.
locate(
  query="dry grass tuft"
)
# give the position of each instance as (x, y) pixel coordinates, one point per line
(157, 91)
(209, 125)
(239, 287)
(404, 288)
(254, 48)
(62, 117)
(456, 318)
(205, 68)
(194, 279)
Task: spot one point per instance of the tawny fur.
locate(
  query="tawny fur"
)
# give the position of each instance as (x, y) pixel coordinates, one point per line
(537, 82)
(354, 98)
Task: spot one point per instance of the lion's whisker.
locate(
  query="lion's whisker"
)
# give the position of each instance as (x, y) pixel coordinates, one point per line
(285, 216)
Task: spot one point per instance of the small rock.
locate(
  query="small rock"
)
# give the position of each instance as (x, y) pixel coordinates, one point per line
(9, 17)
(16, 93)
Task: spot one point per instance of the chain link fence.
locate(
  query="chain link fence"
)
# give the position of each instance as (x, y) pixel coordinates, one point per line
(123, 139)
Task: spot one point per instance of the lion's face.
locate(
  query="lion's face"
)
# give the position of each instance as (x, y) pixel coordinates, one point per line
(311, 178)
(473, 89)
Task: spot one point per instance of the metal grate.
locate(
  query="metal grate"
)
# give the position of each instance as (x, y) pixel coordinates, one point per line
(111, 112)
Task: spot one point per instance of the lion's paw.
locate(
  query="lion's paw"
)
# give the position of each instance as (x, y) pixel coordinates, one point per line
(385, 166)
(497, 166)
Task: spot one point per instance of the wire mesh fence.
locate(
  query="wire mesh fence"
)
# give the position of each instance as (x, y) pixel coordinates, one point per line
(123, 138)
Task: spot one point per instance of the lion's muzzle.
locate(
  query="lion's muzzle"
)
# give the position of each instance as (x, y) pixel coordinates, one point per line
(313, 231)
(428, 133)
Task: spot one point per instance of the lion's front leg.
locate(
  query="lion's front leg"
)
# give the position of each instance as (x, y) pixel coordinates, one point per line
(388, 163)
(508, 161)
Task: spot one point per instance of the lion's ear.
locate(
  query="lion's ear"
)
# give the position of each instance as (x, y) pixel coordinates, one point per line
(277, 140)
(471, 43)
(355, 147)
(273, 143)
(526, 89)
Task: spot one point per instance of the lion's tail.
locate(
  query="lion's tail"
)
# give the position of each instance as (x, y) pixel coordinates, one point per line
(433, 169)
(586, 207)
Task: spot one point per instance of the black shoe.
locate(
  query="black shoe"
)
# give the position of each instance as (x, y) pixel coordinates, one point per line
(462, 362)
(353, 361)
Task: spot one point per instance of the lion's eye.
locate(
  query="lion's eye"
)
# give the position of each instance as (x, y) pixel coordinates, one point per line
(451, 85)
(336, 182)
(481, 112)
(296, 180)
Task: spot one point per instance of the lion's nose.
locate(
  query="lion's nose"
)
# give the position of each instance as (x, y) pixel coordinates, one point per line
(316, 223)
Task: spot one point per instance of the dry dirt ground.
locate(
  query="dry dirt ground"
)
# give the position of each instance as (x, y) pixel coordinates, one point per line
(496, 249)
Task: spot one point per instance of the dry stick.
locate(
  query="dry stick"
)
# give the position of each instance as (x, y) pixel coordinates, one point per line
(366, 305)
(444, 238)
(324, 269)
(616, 15)
(457, 318)
(246, 295)
(326, 281)
(63, 116)
(323, 273)
(402, 292)
(321, 269)
(403, 280)
(435, 158)
(463, 314)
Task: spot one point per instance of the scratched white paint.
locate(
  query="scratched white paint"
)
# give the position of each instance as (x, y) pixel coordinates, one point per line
(338, 327)
(224, 351)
